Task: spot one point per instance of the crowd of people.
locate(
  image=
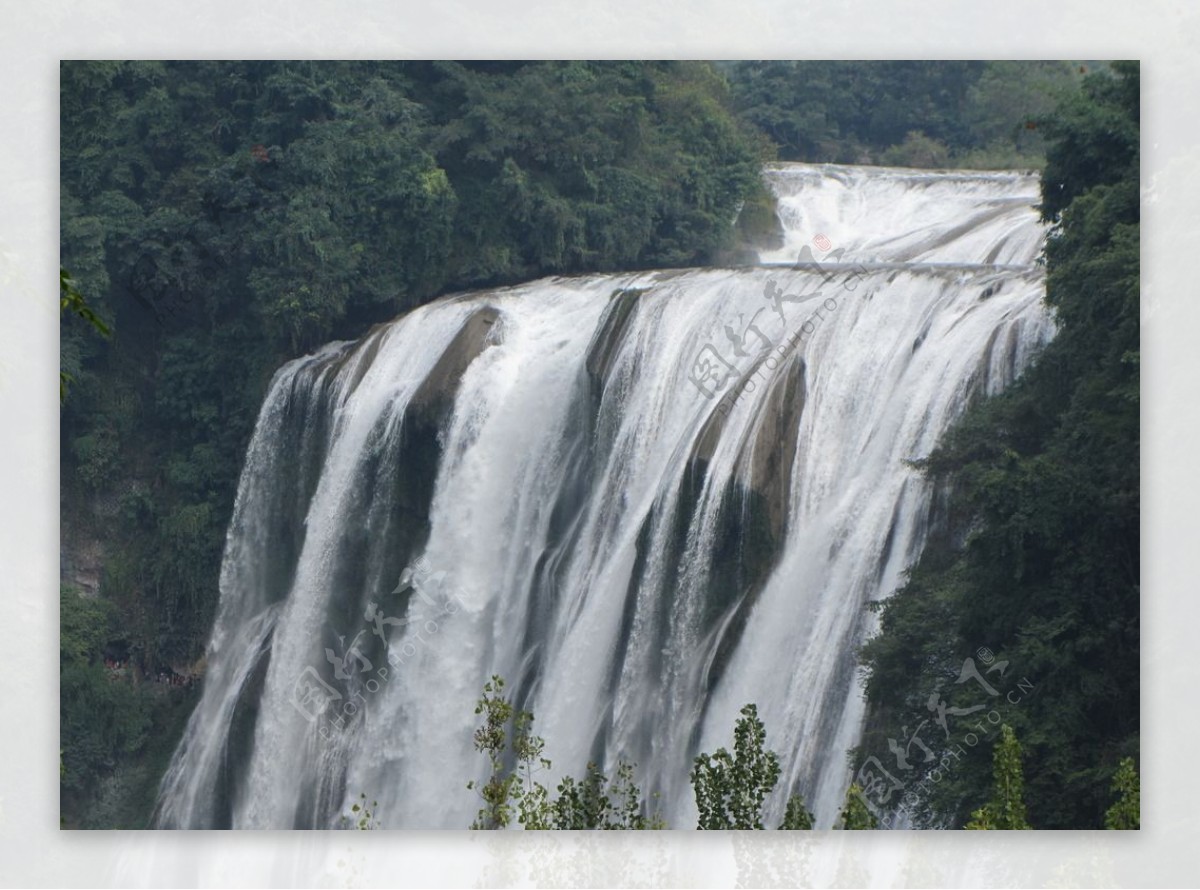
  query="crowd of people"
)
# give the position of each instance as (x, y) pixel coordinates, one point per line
(122, 667)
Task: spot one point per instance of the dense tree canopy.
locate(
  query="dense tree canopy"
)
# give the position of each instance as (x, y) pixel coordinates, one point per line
(920, 114)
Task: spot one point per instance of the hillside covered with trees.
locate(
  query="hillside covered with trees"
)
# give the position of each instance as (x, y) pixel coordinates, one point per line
(909, 114)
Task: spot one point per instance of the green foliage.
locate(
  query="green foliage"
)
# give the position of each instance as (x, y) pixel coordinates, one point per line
(982, 819)
(1006, 810)
(758, 223)
(1009, 95)
(1126, 813)
(796, 817)
(856, 815)
(97, 457)
(534, 808)
(85, 624)
(100, 721)
(103, 719)
(363, 817)
(917, 150)
(583, 804)
(586, 165)
(1035, 551)
(597, 802)
(491, 739)
(506, 737)
(515, 755)
(924, 114)
(71, 299)
(1093, 138)
(730, 788)
(1009, 803)
(124, 796)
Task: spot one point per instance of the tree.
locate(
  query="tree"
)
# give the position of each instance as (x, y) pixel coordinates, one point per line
(583, 804)
(917, 150)
(1093, 137)
(796, 817)
(71, 299)
(849, 112)
(856, 816)
(102, 718)
(597, 802)
(730, 788)
(507, 787)
(981, 820)
(515, 754)
(1006, 810)
(1126, 813)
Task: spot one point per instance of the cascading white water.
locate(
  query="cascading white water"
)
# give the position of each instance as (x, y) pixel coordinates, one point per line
(636, 557)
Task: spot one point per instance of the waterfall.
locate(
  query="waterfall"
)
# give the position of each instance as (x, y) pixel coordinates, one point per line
(645, 499)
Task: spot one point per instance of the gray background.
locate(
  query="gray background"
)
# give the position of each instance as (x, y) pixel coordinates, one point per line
(1162, 33)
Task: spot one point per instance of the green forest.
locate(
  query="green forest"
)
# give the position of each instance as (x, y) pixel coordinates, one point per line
(221, 218)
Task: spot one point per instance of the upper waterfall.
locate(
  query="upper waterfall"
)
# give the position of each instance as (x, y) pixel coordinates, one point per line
(898, 215)
(644, 498)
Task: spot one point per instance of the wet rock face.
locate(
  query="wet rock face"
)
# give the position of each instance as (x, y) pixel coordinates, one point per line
(435, 398)
(773, 453)
(607, 342)
(408, 466)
